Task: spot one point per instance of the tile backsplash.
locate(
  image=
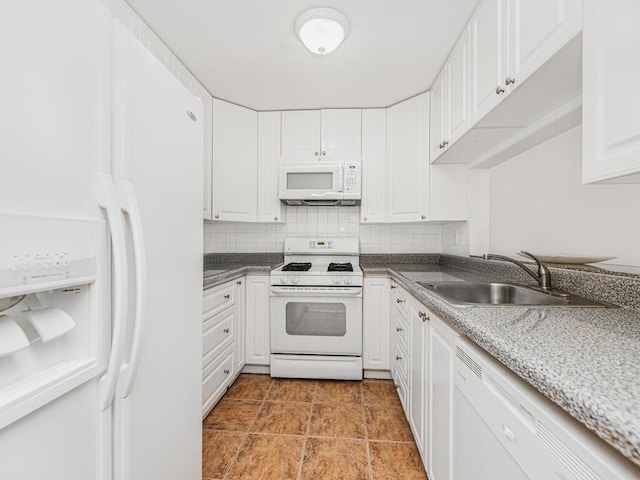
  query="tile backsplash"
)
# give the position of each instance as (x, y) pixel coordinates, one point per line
(323, 222)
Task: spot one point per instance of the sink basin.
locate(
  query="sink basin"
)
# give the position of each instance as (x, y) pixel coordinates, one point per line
(496, 294)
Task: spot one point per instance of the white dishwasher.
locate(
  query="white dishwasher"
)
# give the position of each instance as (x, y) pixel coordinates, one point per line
(506, 430)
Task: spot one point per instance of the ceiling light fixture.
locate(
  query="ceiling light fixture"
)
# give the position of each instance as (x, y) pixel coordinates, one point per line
(322, 30)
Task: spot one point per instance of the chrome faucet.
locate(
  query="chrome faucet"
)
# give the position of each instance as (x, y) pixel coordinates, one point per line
(543, 277)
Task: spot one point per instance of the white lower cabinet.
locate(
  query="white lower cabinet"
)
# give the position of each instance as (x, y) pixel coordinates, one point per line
(222, 340)
(375, 323)
(419, 378)
(257, 320)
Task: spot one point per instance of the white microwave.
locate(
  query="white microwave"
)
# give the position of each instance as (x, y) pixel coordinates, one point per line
(336, 183)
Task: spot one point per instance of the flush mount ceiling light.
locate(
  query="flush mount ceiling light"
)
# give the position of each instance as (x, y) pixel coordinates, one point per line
(322, 30)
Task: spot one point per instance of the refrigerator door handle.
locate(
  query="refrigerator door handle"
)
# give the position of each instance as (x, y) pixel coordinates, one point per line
(128, 370)
(108, 202)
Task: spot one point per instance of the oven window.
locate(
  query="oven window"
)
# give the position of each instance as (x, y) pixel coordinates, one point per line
(316, 319)
(310, 181)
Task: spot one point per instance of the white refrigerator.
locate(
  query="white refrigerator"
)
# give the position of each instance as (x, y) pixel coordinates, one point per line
(101, 243)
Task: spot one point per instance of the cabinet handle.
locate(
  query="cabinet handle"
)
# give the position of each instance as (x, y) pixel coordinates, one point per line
(239, 282)
(398, 357)
(499, 90)
(396, 385)
(324, 153)
(226, 330)
(317, 153)
(424, 217)
(444, 144)
(364, 219)
(399, 301)
(441, 146)
(509, 81)
(226, 372)
(393, 287)
(398, 329)
(216, 216)
(227, 296)
(275, 219)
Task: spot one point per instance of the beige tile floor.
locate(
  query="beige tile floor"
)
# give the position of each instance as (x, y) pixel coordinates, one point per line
(271, 429)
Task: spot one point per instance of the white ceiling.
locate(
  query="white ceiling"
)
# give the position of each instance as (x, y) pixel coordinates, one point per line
(246, 51)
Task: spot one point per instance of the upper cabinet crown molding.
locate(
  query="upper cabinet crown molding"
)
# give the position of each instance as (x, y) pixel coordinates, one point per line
(321, 135)
(611, 104)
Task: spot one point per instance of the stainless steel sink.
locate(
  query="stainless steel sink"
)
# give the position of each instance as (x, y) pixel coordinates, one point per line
(496, 294)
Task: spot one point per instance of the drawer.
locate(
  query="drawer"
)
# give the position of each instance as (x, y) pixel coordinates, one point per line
(217, 299)
(215, 379)
(401, 362)
(217, 333)
(401, 330)
(399, 300)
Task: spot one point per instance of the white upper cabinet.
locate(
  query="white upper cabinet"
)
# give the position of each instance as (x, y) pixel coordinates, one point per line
(301, 135)
(317, 135)
(341, 133)
(374, 178)
(449, 118)
(153, 43)
(235, 160)
(611, 109)
(488, 30)
(270, 208)
(536, 30)
(408, 160)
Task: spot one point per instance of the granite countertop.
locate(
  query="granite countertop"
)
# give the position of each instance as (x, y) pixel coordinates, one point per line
(221, 273)
(585, 360)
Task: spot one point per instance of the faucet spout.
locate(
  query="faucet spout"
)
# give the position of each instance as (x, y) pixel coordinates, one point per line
(542, 276)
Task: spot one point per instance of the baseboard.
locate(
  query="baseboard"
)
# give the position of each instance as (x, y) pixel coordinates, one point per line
(260, 369)
(378, 374)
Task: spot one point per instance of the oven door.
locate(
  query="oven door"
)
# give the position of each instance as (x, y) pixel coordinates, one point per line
(316, 320)
(311, 182)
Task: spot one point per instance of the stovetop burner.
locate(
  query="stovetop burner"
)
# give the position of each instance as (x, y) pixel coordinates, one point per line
(296, 267)
(340, 267)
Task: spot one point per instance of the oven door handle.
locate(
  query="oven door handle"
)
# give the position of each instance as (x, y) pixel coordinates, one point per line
(316, 292)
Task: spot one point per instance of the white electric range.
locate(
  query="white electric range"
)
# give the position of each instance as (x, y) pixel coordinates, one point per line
(316, 310)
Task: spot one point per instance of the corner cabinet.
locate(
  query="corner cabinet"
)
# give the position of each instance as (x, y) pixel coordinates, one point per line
(270, 208)
(611, 108)
(408, 160)
(374, 177)
(257, 314)
(235, 163)
(375, 323)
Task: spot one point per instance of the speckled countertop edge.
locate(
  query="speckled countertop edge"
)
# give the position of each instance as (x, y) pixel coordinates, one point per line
(230, 273)
(545, 347)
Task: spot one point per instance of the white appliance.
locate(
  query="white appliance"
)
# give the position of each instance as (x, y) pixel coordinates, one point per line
(505, 429)
(330, 183)
(316, 310)
(100, 361)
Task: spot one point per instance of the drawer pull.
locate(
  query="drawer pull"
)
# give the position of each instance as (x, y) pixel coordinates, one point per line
(226, 371)
(393, 287)
(399, 329)
(399, 301)
(398, 357)
(396, 385)
(239, 282)
(227, 296)
(226, 330)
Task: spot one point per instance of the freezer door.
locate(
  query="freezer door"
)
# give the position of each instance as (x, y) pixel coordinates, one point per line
(158, 172)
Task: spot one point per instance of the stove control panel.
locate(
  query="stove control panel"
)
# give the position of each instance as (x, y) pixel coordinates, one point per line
(338, 280)
(321, 245)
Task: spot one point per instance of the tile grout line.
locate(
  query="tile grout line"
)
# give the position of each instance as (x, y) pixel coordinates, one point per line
(306, 435)
(366, 430)
(246, 435)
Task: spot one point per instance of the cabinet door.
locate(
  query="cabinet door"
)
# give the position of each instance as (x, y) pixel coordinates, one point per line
(235, 160)
(375, 323)
(240, 327)
(341, 133)
(488, 57)
(257, 315)
(537, 30)
(418, 374)
(156, 46)
(437, 113)
(408, 160)
(301, 135)
(442, 370)
(457, 90)
(611, 109)
(269, 206)
(374, 178)
(207, 158)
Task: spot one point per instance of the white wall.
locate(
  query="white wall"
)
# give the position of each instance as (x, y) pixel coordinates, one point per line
(538, 203)
(324, 222)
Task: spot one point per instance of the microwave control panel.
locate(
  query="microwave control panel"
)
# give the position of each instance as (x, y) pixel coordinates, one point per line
(352, 178)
